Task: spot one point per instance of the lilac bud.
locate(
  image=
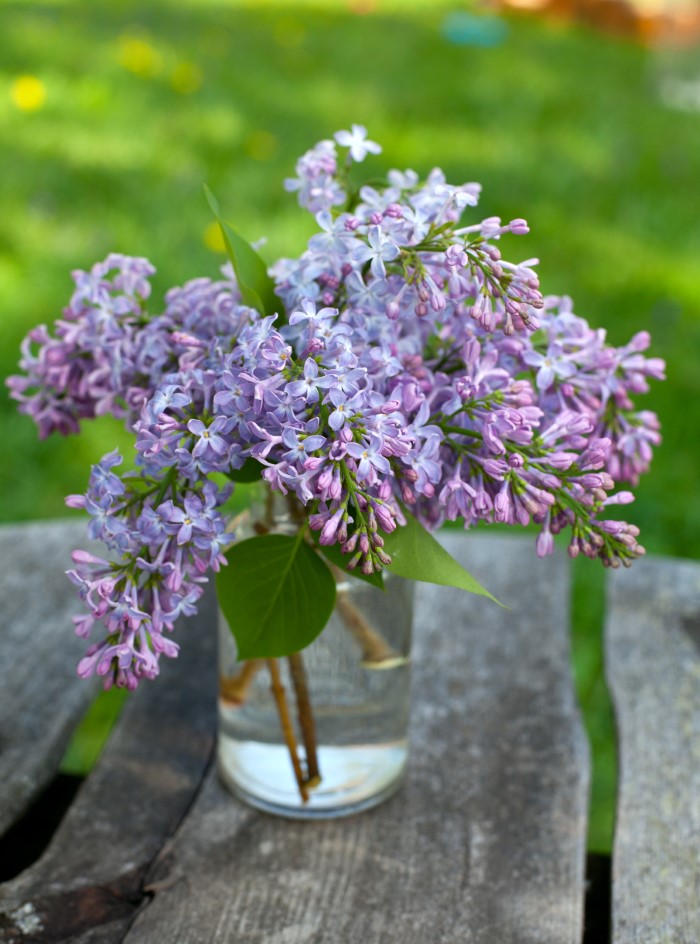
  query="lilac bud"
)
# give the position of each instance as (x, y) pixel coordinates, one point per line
(407, 495)
(325, 478)
(364, 543)
(367, 567)
(640, 341)
(354, 561)
(328, 532)
(335, 490)
(350, 544)
(471, 351)
(518, 227)
(544, 544)
(314, 346)
(385, 519)
(454, 286)
(437, 301)
(392, 311)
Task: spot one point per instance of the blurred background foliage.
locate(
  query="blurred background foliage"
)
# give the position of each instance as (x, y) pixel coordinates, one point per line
(113, 115)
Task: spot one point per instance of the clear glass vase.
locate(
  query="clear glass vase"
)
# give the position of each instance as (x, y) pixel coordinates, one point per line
(346, 699)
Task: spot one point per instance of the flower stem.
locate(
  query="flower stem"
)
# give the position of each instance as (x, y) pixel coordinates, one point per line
(287, 729)
(233, 689)
(306, 718)
(376, 653)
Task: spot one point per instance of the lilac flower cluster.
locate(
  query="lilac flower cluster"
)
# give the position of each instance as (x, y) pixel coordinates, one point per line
(409, 366)
(108, 354)
(164, 548)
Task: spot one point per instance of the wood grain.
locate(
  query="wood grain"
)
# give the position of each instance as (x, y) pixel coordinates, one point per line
(484, 843)
(653, 667)
(41, 699)
(89, 884)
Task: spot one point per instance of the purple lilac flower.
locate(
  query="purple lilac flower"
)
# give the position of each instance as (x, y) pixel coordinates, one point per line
(404, 371)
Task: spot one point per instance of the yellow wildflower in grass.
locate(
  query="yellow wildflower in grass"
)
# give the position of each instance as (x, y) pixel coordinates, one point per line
(137, 55)
(186, 78)
(28, 93)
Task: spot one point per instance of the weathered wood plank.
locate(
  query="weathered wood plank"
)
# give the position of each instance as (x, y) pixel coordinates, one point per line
(41, 699)
(653, 668)
(89, 884)
(484, 843)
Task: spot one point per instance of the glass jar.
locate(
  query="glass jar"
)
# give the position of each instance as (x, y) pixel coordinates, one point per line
(346, 701)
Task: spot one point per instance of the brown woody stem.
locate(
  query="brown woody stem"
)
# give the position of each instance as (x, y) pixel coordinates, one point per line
(233, 689)
(306, 718)
(287, 728)
(376, 652)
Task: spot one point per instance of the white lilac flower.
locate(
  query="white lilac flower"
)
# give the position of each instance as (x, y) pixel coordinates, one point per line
(358, 142)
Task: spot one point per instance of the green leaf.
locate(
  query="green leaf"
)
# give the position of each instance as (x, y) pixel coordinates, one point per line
(276, 594)
(250, 471)
(417, 555)
(333, 554)
(257, 288)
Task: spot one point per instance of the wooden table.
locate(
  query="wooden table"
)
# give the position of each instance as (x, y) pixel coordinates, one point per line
(485, 842)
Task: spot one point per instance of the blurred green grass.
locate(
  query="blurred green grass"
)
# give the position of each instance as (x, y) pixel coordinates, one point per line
(145, 103)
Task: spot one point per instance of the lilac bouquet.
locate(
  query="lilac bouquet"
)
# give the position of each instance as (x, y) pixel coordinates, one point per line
(397, 374)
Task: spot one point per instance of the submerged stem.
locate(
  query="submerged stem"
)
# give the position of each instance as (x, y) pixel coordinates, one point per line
(376, 651)
(287, 728)
(306, 718)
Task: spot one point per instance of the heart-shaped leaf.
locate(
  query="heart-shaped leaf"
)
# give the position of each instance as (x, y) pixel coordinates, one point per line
(276, 594)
